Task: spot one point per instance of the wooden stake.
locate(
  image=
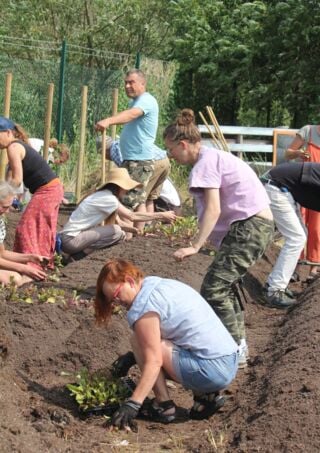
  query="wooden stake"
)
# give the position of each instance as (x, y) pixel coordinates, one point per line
(115, 96)
(217, 128)
(6, 113)
(103, 157)
(47, 126)
(83, 121)
(214, 139)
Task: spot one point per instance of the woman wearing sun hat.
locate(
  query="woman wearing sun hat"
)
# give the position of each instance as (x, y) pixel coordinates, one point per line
(83, 232)
(36, 231)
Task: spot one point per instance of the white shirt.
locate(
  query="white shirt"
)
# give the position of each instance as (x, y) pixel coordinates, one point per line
(91, 212)
(169, 193)
(37, 144)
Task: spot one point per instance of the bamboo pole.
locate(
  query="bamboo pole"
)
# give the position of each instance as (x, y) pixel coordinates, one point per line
(6, 113)
(214, 139)
(217, 128)
(83, 120)
(47, 126)
(103, 157)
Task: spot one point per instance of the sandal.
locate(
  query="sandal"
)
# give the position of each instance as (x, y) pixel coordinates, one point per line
(121, 366)
(156, 412)
(211, 403)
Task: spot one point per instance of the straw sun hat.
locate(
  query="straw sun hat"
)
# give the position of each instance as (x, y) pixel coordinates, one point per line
(121, 178)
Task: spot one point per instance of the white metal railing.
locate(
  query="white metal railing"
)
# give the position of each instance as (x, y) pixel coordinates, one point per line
(267, 141)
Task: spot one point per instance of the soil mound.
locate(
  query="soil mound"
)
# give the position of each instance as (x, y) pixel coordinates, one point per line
(273, 405)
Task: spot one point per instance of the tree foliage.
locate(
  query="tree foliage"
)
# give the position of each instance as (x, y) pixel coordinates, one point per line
(254, 62)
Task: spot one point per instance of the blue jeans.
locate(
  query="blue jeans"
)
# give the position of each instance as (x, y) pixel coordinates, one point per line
(204, 375)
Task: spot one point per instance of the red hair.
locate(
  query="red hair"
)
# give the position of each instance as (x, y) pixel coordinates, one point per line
(114, 271)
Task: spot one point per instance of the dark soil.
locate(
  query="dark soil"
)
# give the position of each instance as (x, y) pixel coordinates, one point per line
(273, 405)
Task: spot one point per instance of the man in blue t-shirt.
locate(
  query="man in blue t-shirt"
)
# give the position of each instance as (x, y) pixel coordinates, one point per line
(138, 135)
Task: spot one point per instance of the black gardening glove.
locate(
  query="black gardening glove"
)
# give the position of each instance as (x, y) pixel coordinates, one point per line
(121, 366)
(124, 416)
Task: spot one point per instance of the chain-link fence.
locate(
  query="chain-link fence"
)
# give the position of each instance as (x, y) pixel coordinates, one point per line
(35, 64)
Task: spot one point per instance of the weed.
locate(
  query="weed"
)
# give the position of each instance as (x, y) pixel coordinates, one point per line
(217, 445)
(95, 389)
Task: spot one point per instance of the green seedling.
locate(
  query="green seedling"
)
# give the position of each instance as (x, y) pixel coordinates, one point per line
(181, 231)
(51, 295)
(95, 389)
(58, 260)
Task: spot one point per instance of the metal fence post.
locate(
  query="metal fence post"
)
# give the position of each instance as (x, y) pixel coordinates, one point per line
(137, 63)
(59, 129)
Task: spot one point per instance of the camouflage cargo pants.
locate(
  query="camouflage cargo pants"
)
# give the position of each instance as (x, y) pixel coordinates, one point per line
(141, 171)
(241, 248)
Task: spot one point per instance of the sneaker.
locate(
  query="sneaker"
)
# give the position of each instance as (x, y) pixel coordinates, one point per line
(243, 354)
(287, 291)
(279, 299)
(242, 362)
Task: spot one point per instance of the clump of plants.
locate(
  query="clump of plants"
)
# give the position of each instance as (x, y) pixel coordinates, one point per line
(181, 231)
(97, 390)
(47, 295)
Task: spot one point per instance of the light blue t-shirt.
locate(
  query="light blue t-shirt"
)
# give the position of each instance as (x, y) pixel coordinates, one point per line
(186, 319)
(138, 136)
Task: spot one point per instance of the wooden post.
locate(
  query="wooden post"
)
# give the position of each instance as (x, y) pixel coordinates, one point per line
(239, 139)
(115, 95)
(103, 157)
(6, 113)
(83, 121)
(47, 126)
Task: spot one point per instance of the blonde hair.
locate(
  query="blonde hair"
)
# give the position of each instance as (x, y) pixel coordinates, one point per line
(183, 128)
(6, 190)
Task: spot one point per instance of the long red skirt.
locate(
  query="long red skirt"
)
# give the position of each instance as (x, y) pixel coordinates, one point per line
(37, 228)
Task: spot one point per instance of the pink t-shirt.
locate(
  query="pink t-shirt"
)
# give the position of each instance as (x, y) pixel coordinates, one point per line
(242, 195)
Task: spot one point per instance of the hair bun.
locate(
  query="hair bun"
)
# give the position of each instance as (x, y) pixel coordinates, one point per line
(186, 117)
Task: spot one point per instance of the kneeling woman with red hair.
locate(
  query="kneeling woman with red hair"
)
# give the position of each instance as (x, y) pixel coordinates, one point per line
(176, 334)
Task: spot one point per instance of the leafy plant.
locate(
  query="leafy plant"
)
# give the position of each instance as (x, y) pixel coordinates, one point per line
(97, 390)
(182, 230)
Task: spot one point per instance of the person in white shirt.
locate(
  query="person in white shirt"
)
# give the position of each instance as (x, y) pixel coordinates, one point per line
(84, 233)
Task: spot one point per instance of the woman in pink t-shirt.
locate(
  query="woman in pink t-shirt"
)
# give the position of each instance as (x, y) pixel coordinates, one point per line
(233, 213)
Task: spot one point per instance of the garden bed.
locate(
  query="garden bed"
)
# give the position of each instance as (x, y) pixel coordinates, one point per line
(273, 405)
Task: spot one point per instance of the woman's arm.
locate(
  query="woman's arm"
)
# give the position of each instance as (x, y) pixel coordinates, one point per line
(295, 150)
(18, 262)
(209, 219)
(125, 213)
(126, 226)
(16, 153)
(148, 336)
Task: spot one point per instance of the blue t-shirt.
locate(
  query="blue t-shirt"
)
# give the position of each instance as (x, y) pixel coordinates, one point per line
(186, 319)
(138, 136)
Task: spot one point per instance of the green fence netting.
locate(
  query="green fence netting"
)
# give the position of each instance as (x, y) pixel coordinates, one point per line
(36, 64)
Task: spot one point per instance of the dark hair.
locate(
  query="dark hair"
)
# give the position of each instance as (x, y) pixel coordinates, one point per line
(114, 188)
(183, 128)
(114, 271)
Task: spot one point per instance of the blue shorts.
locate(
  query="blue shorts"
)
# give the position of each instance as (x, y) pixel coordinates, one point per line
(204, 375)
